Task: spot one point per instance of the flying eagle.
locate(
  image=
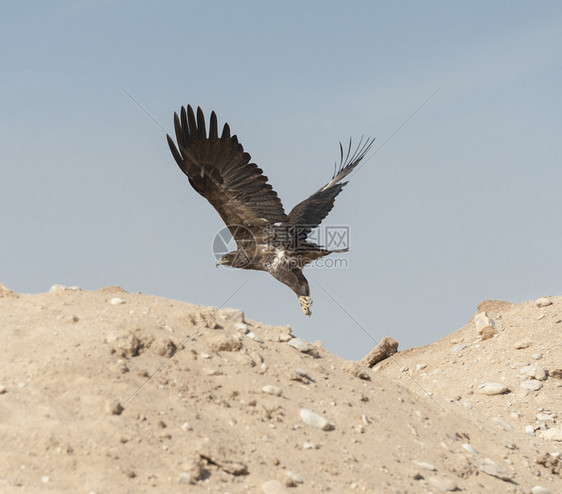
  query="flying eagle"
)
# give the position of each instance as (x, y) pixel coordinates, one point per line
(267, 238)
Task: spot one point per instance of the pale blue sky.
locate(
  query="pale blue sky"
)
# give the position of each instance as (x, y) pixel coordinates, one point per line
(463, 204)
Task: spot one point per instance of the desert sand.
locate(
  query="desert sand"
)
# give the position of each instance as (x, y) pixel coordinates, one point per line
(114, 392)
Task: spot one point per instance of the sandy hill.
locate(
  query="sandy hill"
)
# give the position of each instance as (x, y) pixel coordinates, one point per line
(115, 392)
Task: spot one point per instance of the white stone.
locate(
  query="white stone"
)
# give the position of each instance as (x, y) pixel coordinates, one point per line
(300, 345)
(273, 487)
(310, 445)
(537, 489)
(295, 477)
(529, 430)
(542, 302)
(545, 417)
(254, 337)
(284, 338)
(521, 344)
(470, 448)
(459, 348)
(315, 420)
(425, 466)
(490, 467)
(60, 288)
(272, 390)
(444, 485)
(242, 327)
(186, 427)
(531, 385)
(493, 388)
(485, 325)
(186, 478)
(116, 301)
(534, 372)
(554, 434)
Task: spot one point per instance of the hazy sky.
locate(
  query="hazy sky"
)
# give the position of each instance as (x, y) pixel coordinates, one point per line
(462, 204)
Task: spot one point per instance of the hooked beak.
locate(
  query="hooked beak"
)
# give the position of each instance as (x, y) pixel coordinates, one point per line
(220, 261)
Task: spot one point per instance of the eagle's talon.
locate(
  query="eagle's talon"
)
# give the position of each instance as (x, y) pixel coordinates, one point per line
(305, 302)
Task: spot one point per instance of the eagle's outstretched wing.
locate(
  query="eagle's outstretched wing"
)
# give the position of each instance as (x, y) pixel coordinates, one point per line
(308, 214)
(220, 170)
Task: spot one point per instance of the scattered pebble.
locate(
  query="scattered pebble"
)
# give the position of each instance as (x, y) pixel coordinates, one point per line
(529, 430)
(493, 388)
(186, 427)
(505, 425)
(444, 485)
(470, 448)
(284, 338)
(59, 288)
(242, 327)
(185, 478)
(531, 385)
(294, 477)
(522, 344)
(254, 337)
(272, 390)
(490, 467)
(459, 347)
(310, 445)
(542, 302)
(537, 489)
(537, 356)
(554, 434)
(315, 420)
(2, 389)
(213, 372)
(425, 466)
(485, 326)
(300, 345)
(534, 372)
(116, 301)
(273, 487)
(45, 479)
(114, 407)
(545, 417)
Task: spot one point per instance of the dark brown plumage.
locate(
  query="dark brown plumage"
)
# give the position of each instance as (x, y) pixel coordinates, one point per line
(267, 239)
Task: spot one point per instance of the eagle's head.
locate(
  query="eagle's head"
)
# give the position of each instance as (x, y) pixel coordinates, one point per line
(235, 259)
(227, 259)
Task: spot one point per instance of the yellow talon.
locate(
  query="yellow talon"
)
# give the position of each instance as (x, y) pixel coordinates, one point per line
(305, 302)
